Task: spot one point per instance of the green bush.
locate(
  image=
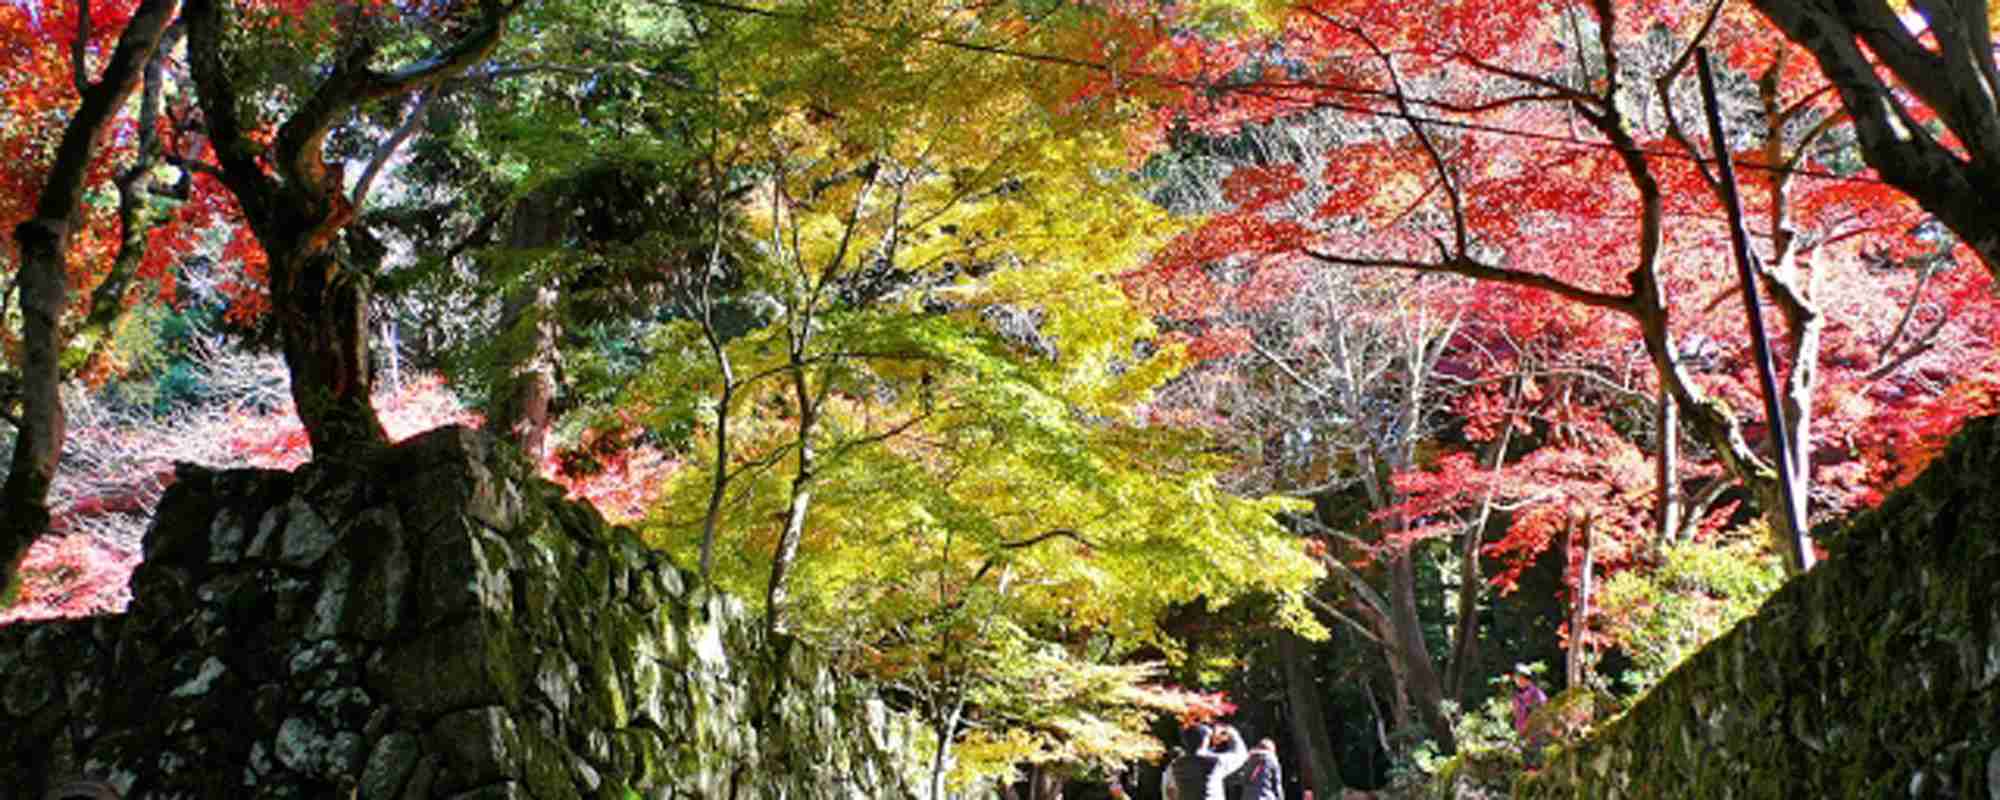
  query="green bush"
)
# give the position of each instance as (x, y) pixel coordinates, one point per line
(1699, 590)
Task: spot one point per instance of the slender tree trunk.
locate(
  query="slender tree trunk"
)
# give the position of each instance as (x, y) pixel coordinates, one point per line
(1044, 783)
(775, 594)
(135, 219)
(946, 729)
(1795, 397)
(1320, 771)
(44, 285)
(1465, 630)
(1668, 471)
(725, 398)
(1426, 690)
(802, 490)
(1375, 708)
(1578, 667)
(718, 485)
(1465, 636)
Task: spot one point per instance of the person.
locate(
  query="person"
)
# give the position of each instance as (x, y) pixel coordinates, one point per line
(1116, 787)
(1168, 789)
(1212, 755)
(1262, 779)
(1527, 697)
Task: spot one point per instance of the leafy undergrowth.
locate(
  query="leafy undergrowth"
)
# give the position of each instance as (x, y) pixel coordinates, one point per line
(1491, 755)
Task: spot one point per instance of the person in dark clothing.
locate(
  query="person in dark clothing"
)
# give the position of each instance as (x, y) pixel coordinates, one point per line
(1212, 754)
(1262, 780)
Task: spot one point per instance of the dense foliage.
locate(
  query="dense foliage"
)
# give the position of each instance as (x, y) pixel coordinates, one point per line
(1033, 357)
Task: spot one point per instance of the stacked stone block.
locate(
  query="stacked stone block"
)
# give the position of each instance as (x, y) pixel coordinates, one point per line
(433, 622)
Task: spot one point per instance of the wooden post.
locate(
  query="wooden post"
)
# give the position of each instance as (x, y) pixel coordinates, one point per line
(1767, 373)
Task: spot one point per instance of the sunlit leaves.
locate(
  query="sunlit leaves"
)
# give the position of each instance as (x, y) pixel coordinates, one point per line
(1699, 590)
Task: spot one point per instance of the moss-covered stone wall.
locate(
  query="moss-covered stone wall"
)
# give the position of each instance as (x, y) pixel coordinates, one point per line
(435, 623)
(1875, 675)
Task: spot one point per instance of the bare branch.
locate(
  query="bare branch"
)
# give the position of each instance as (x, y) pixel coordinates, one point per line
(1352, 623)
(389, 147)
(78, 62)
(1471, 268)
(1461, 239)
(1556, 90)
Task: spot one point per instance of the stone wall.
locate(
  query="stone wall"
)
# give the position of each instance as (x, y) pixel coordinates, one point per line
(434, 623)
(1875, 675)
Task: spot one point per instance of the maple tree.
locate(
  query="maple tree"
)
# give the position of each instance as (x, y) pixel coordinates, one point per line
(1552, 158)
(1334, 382)
(294, 210)
(126, 436)
(1493, 222)
(921, 441)
(559, 184)
(295, 200)
(43, 241)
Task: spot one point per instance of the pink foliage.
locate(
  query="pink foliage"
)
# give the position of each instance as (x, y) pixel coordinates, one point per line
(72, 576)
(623, 488)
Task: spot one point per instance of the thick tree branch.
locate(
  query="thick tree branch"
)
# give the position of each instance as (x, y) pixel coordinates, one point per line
(107, 301)
(236, 154)
(354, 83)
(1957, 84)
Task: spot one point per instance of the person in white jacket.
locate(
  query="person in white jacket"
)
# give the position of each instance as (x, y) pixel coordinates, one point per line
(1212, 755)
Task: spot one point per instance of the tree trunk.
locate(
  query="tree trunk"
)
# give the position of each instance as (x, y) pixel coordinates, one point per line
(135, 219)
(1400, 714)
(1319, 769)
(1465, 636)
(788, 547)
(1044, 783)
(1465, 629)
(44, 286)
(293, 198)
(1668, 468)
(1577, 667)
(520, 402)
(321, 306)
(39, 438)
(801, 503)
(946, 729)
(1426, 690)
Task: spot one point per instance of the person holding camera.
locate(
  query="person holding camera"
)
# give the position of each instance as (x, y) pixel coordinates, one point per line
(1212, 755)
